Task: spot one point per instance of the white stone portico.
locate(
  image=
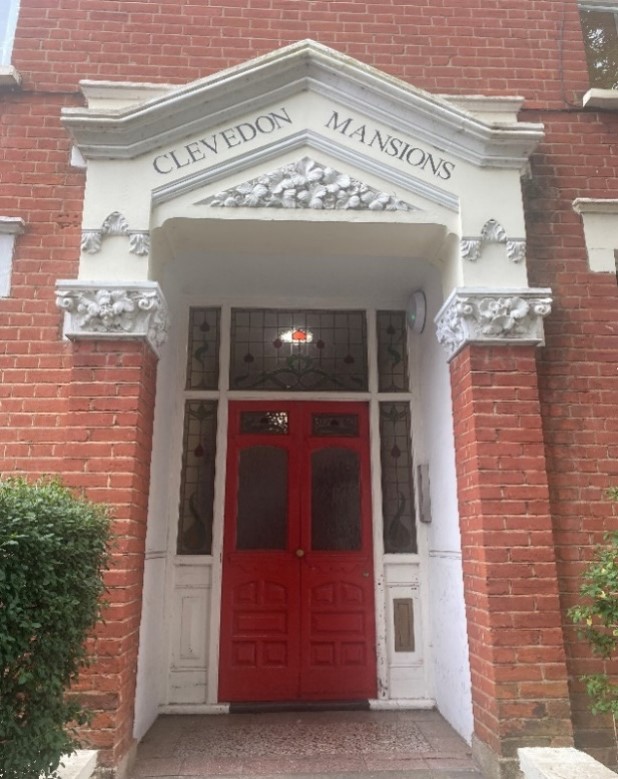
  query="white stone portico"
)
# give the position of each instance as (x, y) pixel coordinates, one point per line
(303, 179)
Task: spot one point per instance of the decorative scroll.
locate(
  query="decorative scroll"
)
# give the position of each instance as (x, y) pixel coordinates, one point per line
(198, 478)
(493, 232)
(307, 184)
(482, 316)
(116, 224)
(118, 311)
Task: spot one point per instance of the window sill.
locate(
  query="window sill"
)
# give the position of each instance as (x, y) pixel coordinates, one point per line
(10, 77)
(605, 99)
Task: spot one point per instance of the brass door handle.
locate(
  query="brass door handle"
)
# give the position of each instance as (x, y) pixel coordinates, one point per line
(300, 553)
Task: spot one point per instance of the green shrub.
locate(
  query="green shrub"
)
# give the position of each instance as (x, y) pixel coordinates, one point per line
(597, 617)
(53, 548)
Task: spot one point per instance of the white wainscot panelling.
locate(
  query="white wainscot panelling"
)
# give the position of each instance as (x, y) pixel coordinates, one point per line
(189, 637)
(406, 669)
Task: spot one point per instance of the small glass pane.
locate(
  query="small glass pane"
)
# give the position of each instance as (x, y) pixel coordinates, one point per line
(397, 483)
(600, 31)
(273, 422)
(392, 351)
(203, 356)
(298, 351)
(262, 498)
(345, 425)
(198, 478)
(335, 500)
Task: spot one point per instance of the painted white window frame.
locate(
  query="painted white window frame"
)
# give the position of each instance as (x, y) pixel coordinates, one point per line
(10, 227)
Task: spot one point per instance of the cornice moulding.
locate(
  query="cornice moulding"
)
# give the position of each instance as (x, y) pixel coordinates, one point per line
(306, 65)
(476, 315)
(591, 205)
(603, 99)
(10, 77)
(120, 310)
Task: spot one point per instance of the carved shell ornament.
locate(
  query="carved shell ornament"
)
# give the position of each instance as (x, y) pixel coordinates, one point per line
(307, 184)
(493, 232)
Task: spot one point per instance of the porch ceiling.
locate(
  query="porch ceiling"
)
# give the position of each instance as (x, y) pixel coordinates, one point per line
(252, 259)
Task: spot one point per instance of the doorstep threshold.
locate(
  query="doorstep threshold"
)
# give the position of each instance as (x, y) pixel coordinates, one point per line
(261, 707)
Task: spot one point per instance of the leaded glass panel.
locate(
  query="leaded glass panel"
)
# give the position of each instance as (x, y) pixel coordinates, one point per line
(337, 425)
(270, 422)
(298, 351)
(335, 500)
(392, 351)
(198, 478)
(203, 356)
(398, 508)
(262, 506)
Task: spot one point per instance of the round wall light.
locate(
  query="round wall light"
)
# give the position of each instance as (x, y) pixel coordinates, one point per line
(416, 312)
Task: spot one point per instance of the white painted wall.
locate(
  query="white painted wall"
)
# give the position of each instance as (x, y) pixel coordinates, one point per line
(448, 650)
(152, 658)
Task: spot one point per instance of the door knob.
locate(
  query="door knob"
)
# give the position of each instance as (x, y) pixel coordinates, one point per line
(300, 553)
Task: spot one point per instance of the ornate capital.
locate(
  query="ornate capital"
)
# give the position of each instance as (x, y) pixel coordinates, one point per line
(95, 310)
(116, 224)
(307, 184)
(493, 232)
(486, 316)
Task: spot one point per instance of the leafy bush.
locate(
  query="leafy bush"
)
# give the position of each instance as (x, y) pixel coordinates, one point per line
(598, 619)
(53, 548)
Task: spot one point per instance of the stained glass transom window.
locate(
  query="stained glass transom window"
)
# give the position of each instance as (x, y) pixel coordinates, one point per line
(203, 356)
(398, 507)
(266, 356)
(198, 478)
(392, 351)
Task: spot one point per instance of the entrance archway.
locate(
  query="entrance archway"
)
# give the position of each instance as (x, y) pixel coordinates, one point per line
(305, 179)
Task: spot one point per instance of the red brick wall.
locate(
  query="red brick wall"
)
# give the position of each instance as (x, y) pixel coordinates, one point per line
(527, 47)
(517, 658)
(578, 369)
(111, 403)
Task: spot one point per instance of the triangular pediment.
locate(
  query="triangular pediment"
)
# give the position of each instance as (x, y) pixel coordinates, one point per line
(146, 118)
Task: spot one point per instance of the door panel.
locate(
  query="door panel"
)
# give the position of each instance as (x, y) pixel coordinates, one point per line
(297, 604)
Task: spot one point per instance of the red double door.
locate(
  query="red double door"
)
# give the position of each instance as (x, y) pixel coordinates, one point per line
(297, 596)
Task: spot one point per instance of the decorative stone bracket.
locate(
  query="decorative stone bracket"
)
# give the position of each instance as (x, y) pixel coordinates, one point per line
(490, 316)
(307, 184)
(116, 224)
(493, 232)
(94, 310)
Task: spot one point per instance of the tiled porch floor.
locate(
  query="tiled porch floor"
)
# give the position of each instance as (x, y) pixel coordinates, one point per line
(335, 744)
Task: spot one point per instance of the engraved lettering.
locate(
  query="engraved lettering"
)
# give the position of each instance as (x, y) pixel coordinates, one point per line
(158, 163)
